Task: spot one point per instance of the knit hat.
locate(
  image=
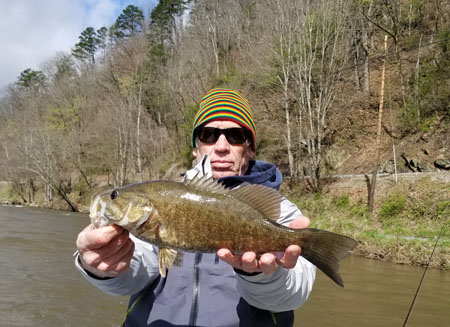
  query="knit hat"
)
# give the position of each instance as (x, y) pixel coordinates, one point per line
(222, 104)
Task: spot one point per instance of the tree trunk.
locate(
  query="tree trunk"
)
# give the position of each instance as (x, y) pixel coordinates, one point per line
(288, 135)
(48, 195)
(138, 137)
(366, 70)
(66, 198)
(30, 190)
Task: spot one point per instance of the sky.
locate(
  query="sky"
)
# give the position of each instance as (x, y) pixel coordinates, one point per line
(34, 31)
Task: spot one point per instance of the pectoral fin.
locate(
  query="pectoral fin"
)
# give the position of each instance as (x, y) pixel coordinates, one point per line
(167, 258)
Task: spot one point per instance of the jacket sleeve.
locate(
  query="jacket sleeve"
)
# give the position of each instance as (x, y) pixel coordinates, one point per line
(144, 266)
(285, 289)
(143, 270)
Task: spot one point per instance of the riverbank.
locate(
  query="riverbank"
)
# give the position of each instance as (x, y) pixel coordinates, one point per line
(407, 219)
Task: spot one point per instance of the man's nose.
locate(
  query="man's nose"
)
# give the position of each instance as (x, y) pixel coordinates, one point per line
(222, 144)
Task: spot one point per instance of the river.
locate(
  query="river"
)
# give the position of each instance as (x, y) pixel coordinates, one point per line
(39, 285)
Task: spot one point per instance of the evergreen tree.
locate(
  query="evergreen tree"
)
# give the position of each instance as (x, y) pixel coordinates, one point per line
(102, 35)
(163, 17)
(30, 78)
(87, 47)
(129, 23)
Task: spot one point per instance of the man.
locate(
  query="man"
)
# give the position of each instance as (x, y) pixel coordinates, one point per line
(207, 289)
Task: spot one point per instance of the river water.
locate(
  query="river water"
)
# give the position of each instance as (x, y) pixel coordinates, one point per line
(39, 285)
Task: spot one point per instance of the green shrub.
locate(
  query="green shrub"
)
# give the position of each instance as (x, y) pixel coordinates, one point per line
(342, 201)
(392, 207)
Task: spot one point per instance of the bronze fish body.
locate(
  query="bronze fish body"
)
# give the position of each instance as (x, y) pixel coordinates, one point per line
(201, 215)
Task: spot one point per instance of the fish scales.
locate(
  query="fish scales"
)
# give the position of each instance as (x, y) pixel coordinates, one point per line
(200, 215)
(203, 221)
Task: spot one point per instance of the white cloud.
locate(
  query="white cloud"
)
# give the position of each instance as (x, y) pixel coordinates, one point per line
(33, 31)
(101, 12)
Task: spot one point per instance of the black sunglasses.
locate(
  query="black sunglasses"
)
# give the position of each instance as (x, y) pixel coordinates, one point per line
(235, 135)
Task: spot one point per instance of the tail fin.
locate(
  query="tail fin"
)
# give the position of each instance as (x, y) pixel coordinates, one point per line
(325, 250)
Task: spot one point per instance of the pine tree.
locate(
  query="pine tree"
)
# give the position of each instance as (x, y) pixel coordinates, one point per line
(30, 78)
(163, 17)
(129, 23)
(102, 36)
(87, 47)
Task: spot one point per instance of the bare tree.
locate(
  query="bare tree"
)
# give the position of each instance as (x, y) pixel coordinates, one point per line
(386, 15)
(217, 26)
(281, 34)
(39, 148)
(322, 53)
(362, 32)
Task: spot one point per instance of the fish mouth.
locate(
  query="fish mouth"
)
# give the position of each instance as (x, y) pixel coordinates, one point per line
(93, 209)
(99, 217)
(100, 221)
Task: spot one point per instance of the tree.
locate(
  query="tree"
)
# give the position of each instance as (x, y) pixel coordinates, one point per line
(322, 52)
(386, 15)
(129, 23)
(102, 37)
(362, 31)
(282, 34)
(216, 27)
(163, 18)
(87, 47)
(36, 149)
(31, 79)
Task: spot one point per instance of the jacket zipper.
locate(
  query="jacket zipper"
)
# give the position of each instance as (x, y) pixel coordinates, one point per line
(195, 290)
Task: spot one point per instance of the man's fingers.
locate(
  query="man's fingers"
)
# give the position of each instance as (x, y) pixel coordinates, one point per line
(249, 262)
(91, 239)
(227, 256)
(119, 261)
(268, 263)
(290, 257)
(95, 256)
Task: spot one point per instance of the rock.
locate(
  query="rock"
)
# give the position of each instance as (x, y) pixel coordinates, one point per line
(412, 164)
(336, 157)
(424, 138)
(442, 164)
(387, 167)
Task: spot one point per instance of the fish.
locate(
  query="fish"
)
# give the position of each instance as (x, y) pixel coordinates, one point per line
(202, 215)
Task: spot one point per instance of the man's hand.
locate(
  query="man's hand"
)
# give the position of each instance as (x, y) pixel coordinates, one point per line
(106, 251)
(267, 262)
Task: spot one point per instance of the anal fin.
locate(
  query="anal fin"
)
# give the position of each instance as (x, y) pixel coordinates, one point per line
(167, 258)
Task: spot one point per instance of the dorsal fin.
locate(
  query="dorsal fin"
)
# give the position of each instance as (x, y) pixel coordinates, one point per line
(206, 183)
(264, 199)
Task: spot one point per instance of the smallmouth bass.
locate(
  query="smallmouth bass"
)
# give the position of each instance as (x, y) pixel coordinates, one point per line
(201, 215)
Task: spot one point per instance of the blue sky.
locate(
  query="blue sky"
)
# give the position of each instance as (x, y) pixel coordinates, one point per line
(34, 31)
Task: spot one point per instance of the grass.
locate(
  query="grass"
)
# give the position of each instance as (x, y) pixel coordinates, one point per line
(403, 228)
(8, 194)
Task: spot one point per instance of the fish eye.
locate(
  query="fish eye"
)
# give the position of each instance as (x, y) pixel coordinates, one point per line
(114, 194)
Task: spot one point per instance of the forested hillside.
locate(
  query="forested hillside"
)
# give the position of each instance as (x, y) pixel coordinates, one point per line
(119, 107)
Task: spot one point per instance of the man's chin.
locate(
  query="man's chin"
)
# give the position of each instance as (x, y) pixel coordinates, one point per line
(217, 173)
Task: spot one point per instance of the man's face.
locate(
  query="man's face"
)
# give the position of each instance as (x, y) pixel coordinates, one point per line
(226, 159)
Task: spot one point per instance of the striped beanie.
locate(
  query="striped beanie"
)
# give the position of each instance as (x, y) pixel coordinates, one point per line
(222, 104)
